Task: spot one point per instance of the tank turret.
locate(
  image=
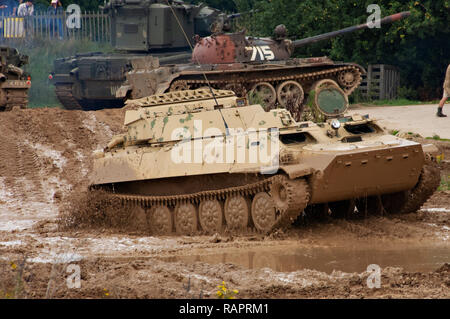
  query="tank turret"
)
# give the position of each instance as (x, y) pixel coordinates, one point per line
(143, 25)
(238, 48)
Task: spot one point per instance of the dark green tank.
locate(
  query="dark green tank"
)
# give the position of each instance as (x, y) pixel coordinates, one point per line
(14, 82)
(138, 28)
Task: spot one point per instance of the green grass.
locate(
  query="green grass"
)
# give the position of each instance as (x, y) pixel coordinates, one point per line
(41, 54)
(438, 138)
(445, 184)
(397, 102)
(394, 132)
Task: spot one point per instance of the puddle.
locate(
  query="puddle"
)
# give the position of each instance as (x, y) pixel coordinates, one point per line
(354, 259)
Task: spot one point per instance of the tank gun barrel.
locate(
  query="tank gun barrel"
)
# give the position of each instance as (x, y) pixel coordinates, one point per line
(234, 16)
(175, 58)
(240, 14)
(329, 35)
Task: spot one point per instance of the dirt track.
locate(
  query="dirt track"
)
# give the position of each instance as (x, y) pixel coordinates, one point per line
(45, 156)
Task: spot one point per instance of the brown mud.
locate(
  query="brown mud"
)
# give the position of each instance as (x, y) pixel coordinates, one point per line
(45, 166)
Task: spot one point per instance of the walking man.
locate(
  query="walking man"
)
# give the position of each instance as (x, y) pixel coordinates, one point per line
(446, 93)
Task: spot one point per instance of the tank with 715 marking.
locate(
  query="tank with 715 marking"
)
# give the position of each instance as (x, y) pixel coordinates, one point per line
(260, 67)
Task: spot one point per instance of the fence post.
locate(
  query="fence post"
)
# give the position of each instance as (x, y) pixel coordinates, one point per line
(91, 27)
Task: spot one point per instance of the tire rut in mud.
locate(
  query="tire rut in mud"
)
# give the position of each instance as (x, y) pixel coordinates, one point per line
(21, 167)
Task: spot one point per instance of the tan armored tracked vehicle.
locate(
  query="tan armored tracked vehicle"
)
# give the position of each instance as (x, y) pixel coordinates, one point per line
(195, 161)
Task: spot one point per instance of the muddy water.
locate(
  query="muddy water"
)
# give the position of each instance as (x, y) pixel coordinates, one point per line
(346, 259)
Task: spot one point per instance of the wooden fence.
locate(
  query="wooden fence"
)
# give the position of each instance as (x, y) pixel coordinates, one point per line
(94, 26)
(381, 82)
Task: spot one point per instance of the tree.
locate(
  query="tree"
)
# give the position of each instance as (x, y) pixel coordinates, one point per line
(418, 45)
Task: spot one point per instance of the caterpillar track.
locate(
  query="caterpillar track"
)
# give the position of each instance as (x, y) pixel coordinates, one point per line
(429, 181)
(258, 204)
(65, 96)
(246, 81)
(15, 98)
(252, 205)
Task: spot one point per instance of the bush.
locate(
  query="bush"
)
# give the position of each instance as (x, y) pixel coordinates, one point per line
(407, 93)
(356, 97)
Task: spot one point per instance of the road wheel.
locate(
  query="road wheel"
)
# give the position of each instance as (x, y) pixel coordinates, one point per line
(280, 196)
(210, 214)
(290, 92)
(237, 88)
(265, 92)
(179, 86)
(263, 212)
(138, 217)
(349, 78)
(161, 220)
(236, 212)
(186, 218)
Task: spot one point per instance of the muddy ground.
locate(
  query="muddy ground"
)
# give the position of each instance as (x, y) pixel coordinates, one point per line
(45, 157)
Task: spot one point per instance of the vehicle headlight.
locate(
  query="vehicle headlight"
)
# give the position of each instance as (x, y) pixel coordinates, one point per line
(335, 124)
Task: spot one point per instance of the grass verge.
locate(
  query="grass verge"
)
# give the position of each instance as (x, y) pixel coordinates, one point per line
(397, 102)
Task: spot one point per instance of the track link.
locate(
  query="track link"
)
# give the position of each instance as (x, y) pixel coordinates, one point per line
(16, 98)
(428, 182)
(297, 202)
(65, 96)
(305, 77)
(296, 199)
